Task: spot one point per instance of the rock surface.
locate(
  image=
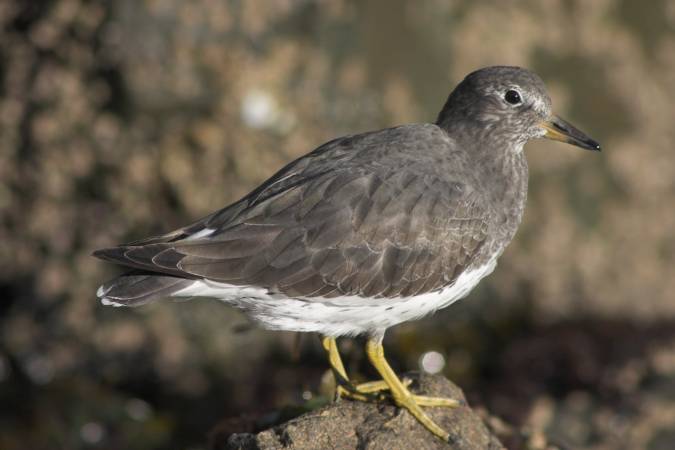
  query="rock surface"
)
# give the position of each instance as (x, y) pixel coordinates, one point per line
(351, 425)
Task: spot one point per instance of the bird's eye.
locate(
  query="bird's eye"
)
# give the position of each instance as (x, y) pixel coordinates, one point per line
(512, 97)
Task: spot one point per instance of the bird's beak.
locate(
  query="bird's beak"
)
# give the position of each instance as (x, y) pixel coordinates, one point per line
(558, 129)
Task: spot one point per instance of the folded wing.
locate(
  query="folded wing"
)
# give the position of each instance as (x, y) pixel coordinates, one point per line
(387, 233)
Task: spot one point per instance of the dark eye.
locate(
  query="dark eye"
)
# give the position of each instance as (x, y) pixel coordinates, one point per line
(512, 97)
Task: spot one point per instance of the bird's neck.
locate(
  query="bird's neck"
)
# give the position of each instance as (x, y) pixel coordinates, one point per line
(504, 174)
(500, 162)
(507, 186)
(511, 172)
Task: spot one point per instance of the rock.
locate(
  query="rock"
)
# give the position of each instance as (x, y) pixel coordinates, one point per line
(350, 424)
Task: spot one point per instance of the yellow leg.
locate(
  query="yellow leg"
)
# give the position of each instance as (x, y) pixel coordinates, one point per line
(331, 348)
(344, 388)
(360, 392)
(402, 396)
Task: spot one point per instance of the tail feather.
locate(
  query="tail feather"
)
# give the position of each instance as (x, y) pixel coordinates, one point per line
(139, 288)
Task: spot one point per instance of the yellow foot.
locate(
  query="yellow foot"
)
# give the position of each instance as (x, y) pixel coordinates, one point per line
(363, 392)
(368, 391)
(353, 394)
(373, 390)
(441, 402)
(409, 402)
(402, 395)
(378, 386)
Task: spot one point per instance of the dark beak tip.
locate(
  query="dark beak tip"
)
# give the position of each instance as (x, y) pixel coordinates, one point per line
(595, 146)
(561, 130)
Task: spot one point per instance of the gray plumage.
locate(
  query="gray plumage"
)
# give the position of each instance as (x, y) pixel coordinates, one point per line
(394, 213)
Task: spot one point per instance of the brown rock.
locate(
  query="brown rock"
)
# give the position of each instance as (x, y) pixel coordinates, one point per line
(349, 424)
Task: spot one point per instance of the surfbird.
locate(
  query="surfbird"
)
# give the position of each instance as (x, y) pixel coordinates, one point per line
(365, 232)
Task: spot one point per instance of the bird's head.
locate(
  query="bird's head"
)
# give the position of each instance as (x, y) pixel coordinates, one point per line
(509, 104)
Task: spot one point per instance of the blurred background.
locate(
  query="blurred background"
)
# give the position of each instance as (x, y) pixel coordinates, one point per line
(127, 118)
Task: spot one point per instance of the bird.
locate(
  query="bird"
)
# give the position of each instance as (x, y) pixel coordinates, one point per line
(365, 232)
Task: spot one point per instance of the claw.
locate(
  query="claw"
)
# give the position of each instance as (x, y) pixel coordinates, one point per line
(402, 396)
(373, 390)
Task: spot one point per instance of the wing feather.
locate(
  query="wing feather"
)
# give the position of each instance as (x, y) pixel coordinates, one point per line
(325, 227)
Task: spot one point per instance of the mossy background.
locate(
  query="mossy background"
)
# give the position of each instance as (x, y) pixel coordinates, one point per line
(121, 119)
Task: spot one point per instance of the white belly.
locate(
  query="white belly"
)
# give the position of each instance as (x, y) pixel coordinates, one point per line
(339, 316)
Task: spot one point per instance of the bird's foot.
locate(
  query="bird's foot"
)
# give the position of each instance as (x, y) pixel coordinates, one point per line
(440, 402)
(373, 391)
(391, 386)
(413, 403)
(365, 392)
(378, 386)
(402, 396)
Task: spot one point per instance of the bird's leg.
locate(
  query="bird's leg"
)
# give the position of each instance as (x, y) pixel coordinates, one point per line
(330, 345)
(344, 387)
(400, 393)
